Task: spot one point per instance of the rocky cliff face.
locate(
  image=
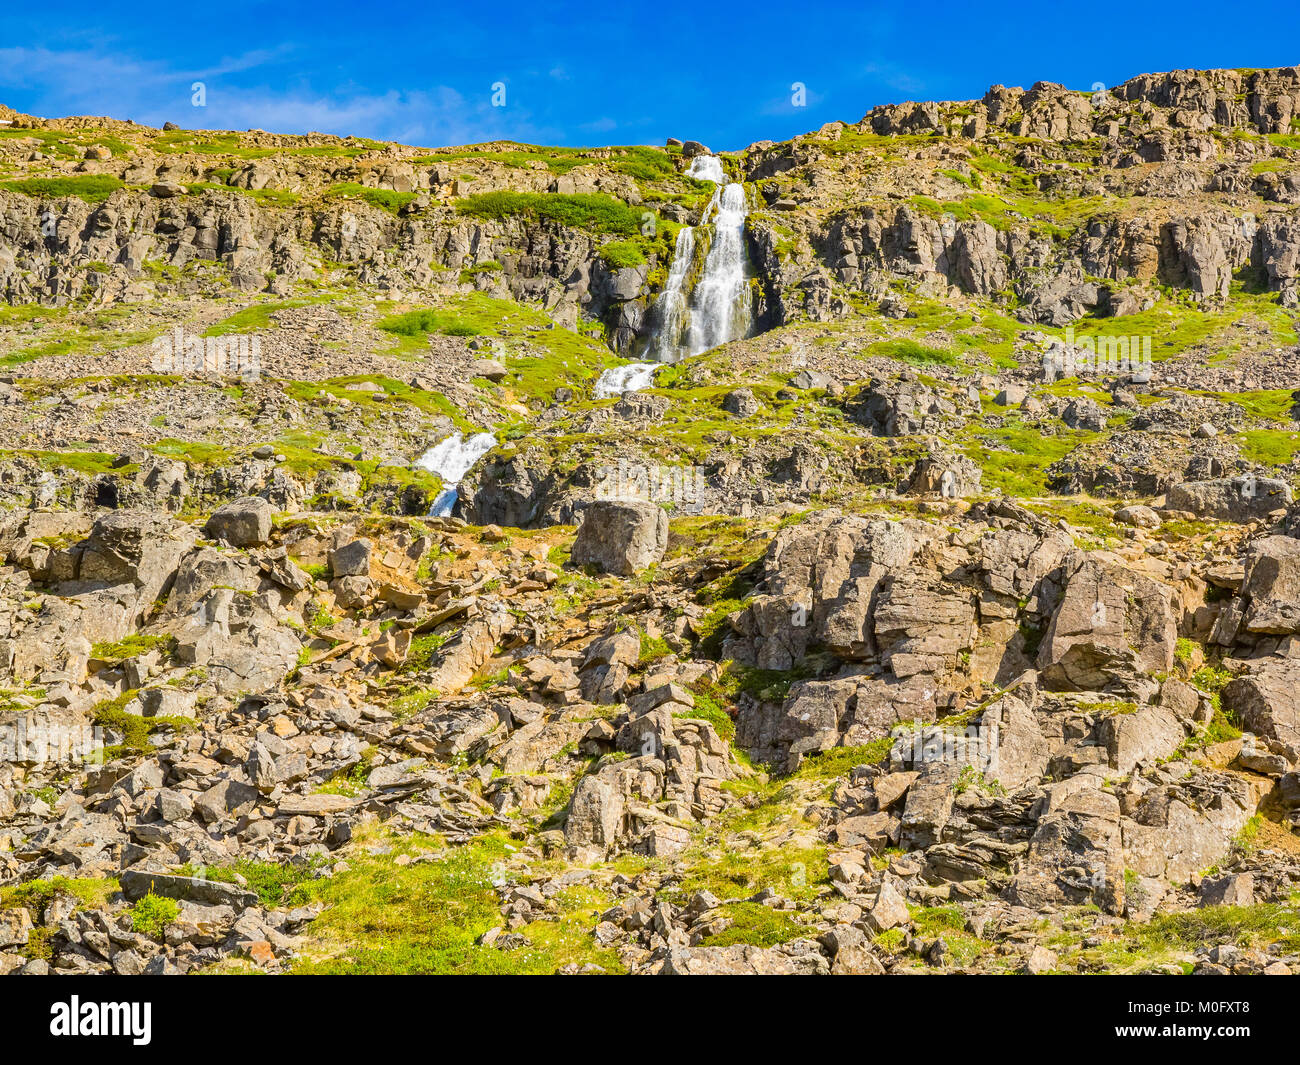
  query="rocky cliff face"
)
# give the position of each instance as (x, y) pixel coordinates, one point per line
(946, 623)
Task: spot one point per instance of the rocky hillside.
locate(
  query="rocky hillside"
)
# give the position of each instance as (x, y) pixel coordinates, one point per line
(945, 621)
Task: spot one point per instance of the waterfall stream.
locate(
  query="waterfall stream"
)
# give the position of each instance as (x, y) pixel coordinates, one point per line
(451, 460)
(619, 379)
(718, 308)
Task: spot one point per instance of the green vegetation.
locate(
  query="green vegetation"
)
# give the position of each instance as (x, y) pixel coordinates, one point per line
(839, 761)
(427, 916)
(915, 354)
(74, 331)
(652, 649)
(111, 714)
(1168, 938)
(255, 318)
(639, 161)
(594, 212)
(708, 708)
(86, 893)
(423, 649)
(93, 188)
(949, 924)
(384, 199)
(152, 914)
(735, 874)
(262, 197)
(540, 355)
(132, 647)
(754, 923)
(1015, 457)
(275, 883)
(206, 142)
(620, 254)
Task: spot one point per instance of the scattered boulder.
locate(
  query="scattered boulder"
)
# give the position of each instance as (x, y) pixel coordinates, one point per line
(244, 522)
(621, 537)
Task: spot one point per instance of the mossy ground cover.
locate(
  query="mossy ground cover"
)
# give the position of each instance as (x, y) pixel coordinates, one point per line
(755, 924)
(75, 331)
(90, 463)
(255, 318)
(274, 883)
(152, 914)
(1167, 941)
(394, 393)
(135, 729)
(93, 188)
(262, 197)
(384, 199)
(949, 924)
(68, 144)
(1015, 457)
(132, 646)
(426, 917)
(1270, 447)
(88, 893)
(639, 161)
(206, 142)
(1175, 326)
(540, 355)
(594, 212)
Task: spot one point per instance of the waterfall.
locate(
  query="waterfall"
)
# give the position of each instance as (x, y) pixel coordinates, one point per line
(707, 168)
(451, 460)
(719, 308)
(671, 307)
(619, 379)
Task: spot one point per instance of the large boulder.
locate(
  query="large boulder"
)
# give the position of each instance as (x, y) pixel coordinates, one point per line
(820, 582)
(1143, 736)
(621, 537)
(1112, 624)
(1272, 584)
(351, 559)
(595, 820)
(1231, 498)
(1075, 855)
(461, 658)
(1267, 700)
(922, 623)
(1020, 752)
(820, 714)
(128, 547)
(1178, 830)
(242, 522)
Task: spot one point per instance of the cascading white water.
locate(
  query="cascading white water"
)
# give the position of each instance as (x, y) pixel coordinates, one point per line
(707, 168)
(719, 308)
(451, 460)
(671, 307)
(619, 379)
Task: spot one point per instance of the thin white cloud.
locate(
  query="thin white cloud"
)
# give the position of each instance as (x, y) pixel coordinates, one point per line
(150, 92)
(895, 77)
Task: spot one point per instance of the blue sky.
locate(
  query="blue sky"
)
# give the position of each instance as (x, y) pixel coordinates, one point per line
(591, 74)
